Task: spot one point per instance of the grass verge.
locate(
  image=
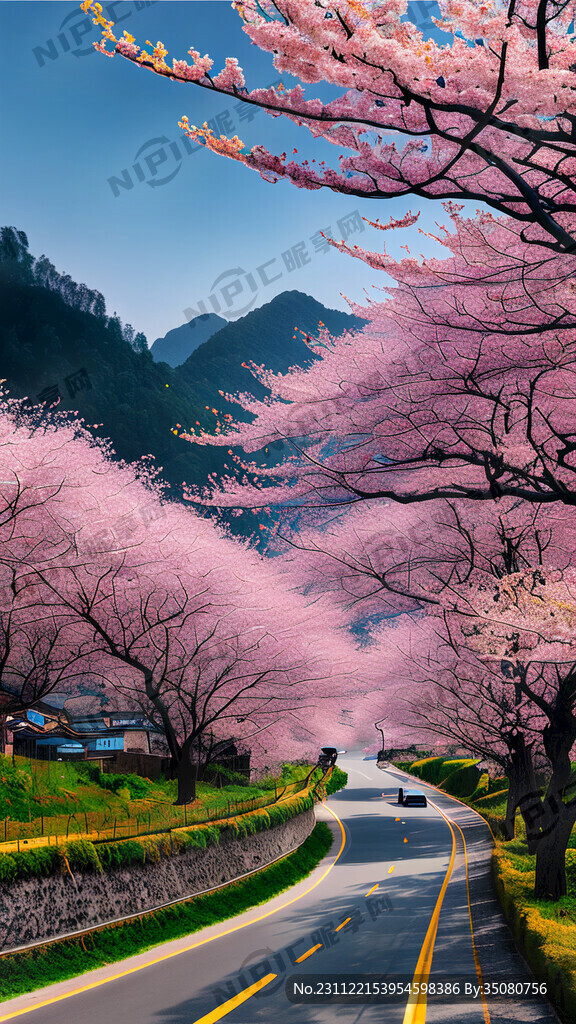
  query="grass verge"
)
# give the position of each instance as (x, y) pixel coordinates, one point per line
(40, 798)
(101, 857)
(544, 931)
(25, 972)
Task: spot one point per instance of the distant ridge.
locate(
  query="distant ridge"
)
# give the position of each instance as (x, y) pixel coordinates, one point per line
(271, 335)
(179, 343)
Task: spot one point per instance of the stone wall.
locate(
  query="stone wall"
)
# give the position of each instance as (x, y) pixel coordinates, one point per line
(46, 907)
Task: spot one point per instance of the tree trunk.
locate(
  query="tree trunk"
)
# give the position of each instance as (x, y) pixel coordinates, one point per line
(521, 781)
(551, 850)
(186, 775)
(555, 818)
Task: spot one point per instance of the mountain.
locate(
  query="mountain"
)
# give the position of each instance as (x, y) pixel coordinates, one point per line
(53, 353)
(175, 347)
(58, 345)
(271, 335)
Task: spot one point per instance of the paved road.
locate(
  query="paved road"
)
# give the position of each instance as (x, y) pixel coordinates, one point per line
(394, 903)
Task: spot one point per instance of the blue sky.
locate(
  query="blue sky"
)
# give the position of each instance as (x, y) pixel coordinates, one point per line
(94, 168)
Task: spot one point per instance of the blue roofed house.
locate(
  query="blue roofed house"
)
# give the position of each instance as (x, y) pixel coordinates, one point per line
(83, 728)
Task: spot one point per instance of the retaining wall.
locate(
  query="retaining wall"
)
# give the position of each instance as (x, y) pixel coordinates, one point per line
(42, 908)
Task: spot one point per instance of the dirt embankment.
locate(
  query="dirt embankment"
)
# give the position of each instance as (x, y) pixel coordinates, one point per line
(42, 908)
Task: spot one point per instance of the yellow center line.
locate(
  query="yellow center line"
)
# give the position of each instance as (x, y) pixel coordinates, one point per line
(237, 1000)
(390, 870)
(342, 925)
(373, 889)
(186, 949)
(300, 959)
(474, 950)
(416, 1009)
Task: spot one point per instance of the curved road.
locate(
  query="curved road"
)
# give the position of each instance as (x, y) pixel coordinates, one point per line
(398, 898)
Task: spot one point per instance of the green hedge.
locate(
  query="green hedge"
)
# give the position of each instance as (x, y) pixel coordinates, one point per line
(462, 778)
(429, 769)
(483, 787)
(338, 780)
(33, 864)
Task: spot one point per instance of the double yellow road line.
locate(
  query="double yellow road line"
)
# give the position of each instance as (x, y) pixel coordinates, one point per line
(416, 1007)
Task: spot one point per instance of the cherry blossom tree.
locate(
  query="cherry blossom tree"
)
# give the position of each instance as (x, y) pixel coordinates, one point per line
(528, 621)
(161, 606)
(486, 115)
(208, 642)
(37, 653)
(444, 689)
(494, 668)
(461, 385)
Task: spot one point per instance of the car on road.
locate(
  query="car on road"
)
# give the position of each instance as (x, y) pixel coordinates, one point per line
(327, 757)
(412, 798)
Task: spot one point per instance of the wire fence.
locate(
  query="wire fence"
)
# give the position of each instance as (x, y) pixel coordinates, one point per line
(152, 818)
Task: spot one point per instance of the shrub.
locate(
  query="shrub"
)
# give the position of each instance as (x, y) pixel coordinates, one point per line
(81, 854)
(546, 938)
(482, 788)
(463, 780)
(498, 784)
(10, 775)
(220, 776)
(89, 772)
(493, 799)
(338, 780)
(429, 769)
(44, 861)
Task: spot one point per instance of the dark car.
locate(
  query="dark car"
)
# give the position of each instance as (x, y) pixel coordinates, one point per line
(412, 798)
(327, 757)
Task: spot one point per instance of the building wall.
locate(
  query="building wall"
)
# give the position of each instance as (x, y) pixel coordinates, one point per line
(124, 762)
(137, 740)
